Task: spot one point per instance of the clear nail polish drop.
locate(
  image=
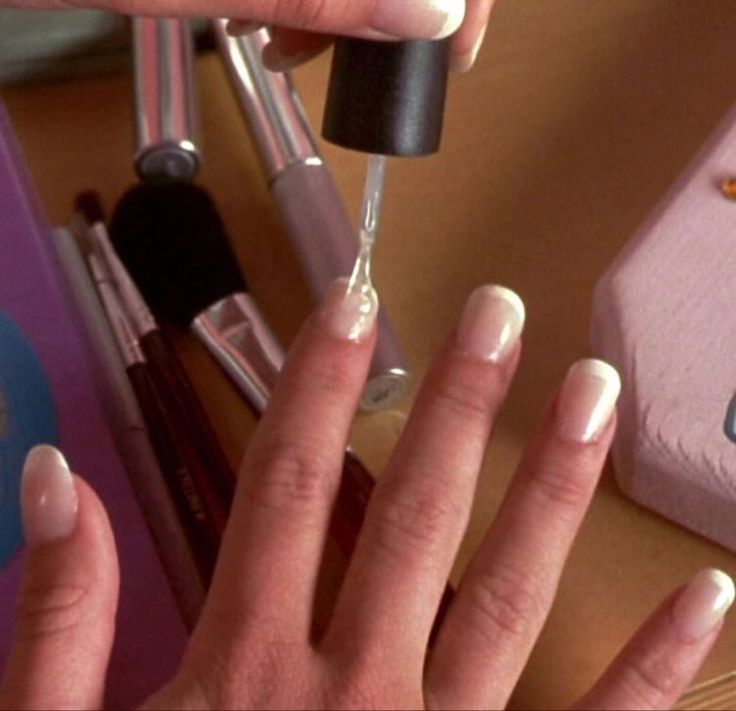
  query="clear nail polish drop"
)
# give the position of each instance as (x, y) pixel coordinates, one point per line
(360, 280)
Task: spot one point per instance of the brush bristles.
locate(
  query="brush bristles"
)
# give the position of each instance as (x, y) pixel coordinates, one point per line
(174, 245)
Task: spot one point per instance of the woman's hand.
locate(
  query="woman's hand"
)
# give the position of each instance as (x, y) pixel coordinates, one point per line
(304, 28)
(253, 645)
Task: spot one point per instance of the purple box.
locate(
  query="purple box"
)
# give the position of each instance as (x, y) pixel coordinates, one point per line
(34, 298)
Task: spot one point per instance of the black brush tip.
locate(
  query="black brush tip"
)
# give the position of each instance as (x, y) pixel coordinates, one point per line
(172, 241)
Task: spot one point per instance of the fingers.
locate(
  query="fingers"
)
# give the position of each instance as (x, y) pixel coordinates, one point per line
(411, 19)
(658, 664)
(277, 529)
(468, 39)
(66, 619)
(290, 48)
(508, 589)
(419, 509)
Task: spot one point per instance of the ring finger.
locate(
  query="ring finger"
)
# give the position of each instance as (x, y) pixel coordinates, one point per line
(507, 592)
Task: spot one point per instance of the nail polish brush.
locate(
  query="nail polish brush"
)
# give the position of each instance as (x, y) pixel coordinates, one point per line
(384, 98)
(302, 186)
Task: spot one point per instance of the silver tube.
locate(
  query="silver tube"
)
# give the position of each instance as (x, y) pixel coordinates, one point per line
(313, 214)
(270, 102)
(165, 114)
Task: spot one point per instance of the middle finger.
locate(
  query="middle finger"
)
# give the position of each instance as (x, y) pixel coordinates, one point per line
(419, 510)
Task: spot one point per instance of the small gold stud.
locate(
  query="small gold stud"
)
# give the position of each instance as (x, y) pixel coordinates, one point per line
(728, 188)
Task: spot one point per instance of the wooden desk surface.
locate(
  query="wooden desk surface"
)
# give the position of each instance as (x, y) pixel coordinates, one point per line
(578, 117)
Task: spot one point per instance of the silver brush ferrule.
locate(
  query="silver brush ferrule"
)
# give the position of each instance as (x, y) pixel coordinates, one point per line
(236, 334)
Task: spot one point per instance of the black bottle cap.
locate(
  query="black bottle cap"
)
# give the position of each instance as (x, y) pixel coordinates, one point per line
(387, 97)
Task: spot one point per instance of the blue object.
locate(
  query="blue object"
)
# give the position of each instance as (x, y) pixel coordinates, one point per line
(27, 417)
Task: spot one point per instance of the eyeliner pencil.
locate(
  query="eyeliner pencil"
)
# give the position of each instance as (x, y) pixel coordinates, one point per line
(131, 436)
(212, 470)
(172, 450)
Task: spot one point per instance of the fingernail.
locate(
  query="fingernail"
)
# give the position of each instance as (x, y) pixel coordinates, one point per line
(464, 62)
(491, 323)
(349, 315)
(416, 19)
(702, 604)
(587, 400)
(243, 27)
(48, 496)
(275, 60)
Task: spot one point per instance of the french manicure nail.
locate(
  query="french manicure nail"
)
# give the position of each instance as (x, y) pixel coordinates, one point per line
(415, 19)
(491, 323)
(702, 604)
(350, 314)
(587, 400)
(48, 496)
(464, 62)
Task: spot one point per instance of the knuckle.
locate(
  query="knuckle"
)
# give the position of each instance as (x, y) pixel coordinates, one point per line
(649, 680)
(47, 610)
(463, 397)
(234, 676)
(412, 520)
(503, 603)
(307, 14)
(560, 484)
(287, 475)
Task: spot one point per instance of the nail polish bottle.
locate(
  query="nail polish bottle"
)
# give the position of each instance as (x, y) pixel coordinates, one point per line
(387, 98)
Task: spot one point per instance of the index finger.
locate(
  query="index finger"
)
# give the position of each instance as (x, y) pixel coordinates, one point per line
(410, 19)
(280, 515)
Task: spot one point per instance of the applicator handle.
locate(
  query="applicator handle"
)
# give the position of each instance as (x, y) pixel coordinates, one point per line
(387, 97)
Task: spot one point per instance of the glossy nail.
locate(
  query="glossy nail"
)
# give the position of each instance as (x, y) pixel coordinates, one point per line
(587, 400)
(702, 604)
(416, 19)
(349, 315)
(464, 62)
(491, 323)
(48, 496)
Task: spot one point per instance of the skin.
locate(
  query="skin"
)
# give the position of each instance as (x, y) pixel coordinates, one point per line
(303, 28)
(253, 648)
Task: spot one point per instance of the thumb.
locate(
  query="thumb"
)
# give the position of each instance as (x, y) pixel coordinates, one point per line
(66, 616)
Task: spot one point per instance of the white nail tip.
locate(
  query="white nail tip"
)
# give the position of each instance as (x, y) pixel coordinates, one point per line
(725, 583)
(455, 14)
(511, 298)
(604, 371)
(45, 455)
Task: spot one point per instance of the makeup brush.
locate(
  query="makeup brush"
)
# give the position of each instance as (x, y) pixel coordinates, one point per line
(173, 243)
